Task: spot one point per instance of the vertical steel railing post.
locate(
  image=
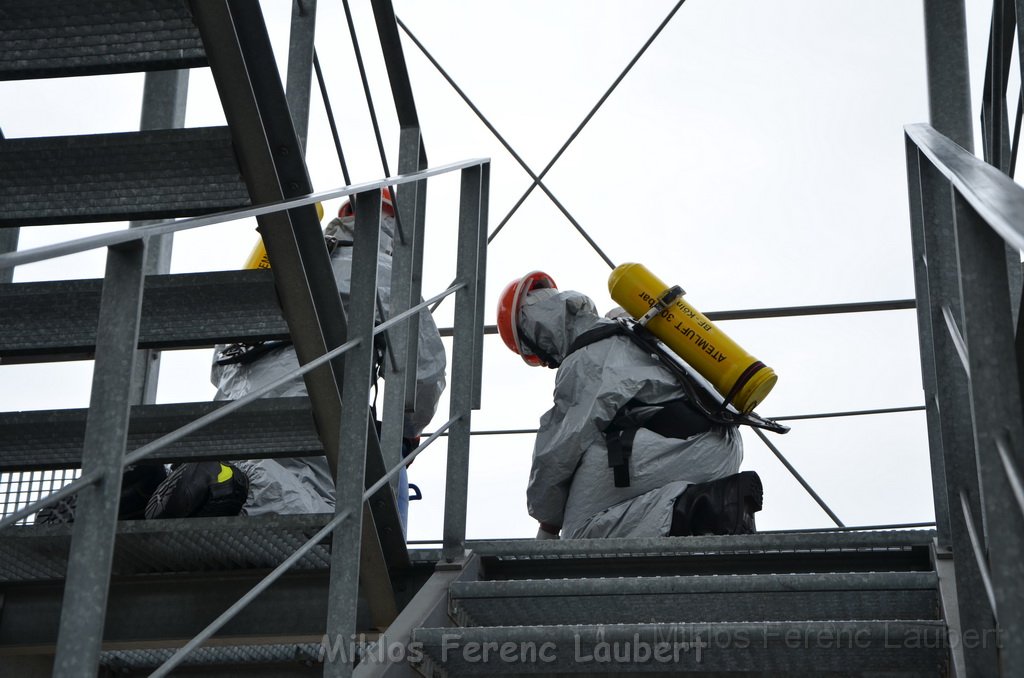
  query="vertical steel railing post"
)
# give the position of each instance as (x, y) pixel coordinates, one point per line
(343, 595)
(406, 283)
(951, 441)
(468, 323)
(106, 435)
(300, 65)
(996, 409)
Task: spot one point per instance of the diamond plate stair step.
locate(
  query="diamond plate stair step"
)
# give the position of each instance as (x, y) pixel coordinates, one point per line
(39, 552)
(763, 553)
(293, 659)
(268, 427)
(730, 598)
(156, 174)
(92, 37)
(774, 648)
(57, 320)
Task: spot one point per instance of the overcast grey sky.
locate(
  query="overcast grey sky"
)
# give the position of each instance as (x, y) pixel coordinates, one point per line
(754, 156)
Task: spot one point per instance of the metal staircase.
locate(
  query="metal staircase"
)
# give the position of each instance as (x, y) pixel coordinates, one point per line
(62, 582)
(342, 594)
(767, 604)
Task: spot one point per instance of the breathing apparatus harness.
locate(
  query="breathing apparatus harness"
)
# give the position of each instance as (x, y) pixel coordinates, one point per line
(699, 411)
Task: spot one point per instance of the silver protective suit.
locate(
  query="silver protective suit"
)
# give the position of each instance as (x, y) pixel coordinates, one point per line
(305, 484)
(570, 482)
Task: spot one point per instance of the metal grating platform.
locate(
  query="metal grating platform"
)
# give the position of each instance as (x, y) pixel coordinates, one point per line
(115, 177)
(91, 37)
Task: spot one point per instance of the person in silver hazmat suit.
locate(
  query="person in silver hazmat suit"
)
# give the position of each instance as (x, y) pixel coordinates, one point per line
(622, 453)
(305, 484)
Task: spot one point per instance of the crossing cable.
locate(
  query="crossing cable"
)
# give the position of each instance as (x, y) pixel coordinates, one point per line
(799, 478)
(330, 117)
(373, 113)
(504, 142)
(580, 127)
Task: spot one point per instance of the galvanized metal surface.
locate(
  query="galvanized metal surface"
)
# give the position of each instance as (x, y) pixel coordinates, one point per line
(427, 609)
(241, 658)
(996, 409)
(164, 95)
(87, 243)
(746, 543)
(39, 552)
(106, 433)
(91, 37)
(729, 598)
(155, 174)
(300, 65)
(269, 427)
(8, 243)
(949, 84)
(153, 611)
(406, 287)
(997, 200)
(465, 371)
(349, 565)
(57, 320)
(951, 439)
(270, 157)
(785, 648)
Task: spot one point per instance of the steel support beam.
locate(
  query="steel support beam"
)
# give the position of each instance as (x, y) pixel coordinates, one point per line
(92, 542)
(347, 543)
(996, 409)
(8, 243)
(995, 124)
(271, 161)
(465, 370)
(164, 96)
(300, 65)
(429, 609)
(406, 287)
(951, 444)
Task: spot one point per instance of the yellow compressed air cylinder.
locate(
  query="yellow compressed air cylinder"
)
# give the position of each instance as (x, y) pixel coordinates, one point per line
(258, 257)
(694, 338)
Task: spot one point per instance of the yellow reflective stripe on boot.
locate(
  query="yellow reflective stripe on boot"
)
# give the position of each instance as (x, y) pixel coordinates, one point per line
(225, 474)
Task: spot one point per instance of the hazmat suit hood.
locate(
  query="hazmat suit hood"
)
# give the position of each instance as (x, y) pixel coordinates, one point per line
(552, 320)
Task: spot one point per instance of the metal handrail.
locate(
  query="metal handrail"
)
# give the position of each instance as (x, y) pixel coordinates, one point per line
(221, 412)
(997, 199)
(91, 242)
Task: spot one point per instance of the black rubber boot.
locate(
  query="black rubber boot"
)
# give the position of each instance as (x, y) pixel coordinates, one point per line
(61, 512)
(724, 506)
(137, 485)
(200, 489)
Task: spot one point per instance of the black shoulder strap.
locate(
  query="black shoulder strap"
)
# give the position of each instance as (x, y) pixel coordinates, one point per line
(596, 334)
(705, 402)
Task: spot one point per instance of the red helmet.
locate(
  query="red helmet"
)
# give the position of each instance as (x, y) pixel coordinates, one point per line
(387, 206)
(510, 302)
